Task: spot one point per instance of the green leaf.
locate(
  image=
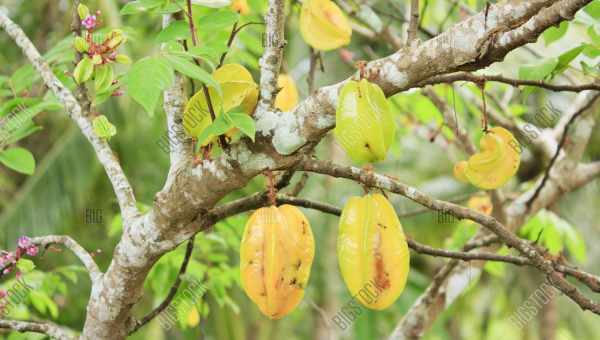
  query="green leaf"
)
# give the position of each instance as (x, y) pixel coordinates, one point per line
(177, 30)
(192, 70)
(146, 79)
(25, 265)
(593, 9)
(103, 127)
(103, 77)
(553, 34)
(138, 6)
(218, 20)
(538, 71)
(216, 128)
(83, 11)
(565, 59)
(84, 70)
(243, 122)
(18, 159)
(594, 36)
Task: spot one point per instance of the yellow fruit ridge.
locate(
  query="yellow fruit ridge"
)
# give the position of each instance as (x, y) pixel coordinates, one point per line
(323, 25)
(372, 251)
(365, 127)
(276, 255)
(287, 98)
(239, 89)
(494, 165)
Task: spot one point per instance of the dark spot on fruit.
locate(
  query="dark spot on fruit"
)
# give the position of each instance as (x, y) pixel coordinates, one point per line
(293, 282)
(367, 146)
(381, 225)
(298, 264)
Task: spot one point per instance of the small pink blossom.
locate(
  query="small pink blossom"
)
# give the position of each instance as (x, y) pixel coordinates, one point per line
(2, 293)
(24, 242)
(32, 250)
(89, 22)
(6, 271)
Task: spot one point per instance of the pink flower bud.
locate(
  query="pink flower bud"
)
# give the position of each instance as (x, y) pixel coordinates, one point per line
(32, 250)
(24, 242)
(89, 22)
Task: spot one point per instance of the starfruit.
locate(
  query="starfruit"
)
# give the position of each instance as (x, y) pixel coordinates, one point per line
(323, 25)
(494, 165)
(365, 126)
(238, 88)
(287, 98)
(372, 251)
(276, 255)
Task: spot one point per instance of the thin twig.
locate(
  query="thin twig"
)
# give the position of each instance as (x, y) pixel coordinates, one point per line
(414, 22)
(172, 292)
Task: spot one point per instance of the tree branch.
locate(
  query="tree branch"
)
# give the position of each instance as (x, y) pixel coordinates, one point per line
(413, 25)
(49, 328)
(105, 155)
(382, 182)
(474, 78)
(84, 256)
(270, 62)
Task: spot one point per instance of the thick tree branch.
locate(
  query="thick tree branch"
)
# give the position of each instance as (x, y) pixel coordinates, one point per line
(49, 328)
(84, 256)
(105, 155)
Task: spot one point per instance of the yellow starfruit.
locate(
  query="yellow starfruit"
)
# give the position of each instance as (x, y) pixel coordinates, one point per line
(323, 25)
(365, 127)
(276, 256)
(481, 203)
(238, 88)
(495, 164)
(287, 98)
(240, 6)
(372, 251)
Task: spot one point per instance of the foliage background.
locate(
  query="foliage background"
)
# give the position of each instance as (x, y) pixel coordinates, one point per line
(68, 180)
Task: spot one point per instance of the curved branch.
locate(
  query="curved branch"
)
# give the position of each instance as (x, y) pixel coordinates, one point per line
(49, 328)
(382, 182)
(105, 155)
(83, 255)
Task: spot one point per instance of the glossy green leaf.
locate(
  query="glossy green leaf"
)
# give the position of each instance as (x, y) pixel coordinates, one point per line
(216, 128)
(553, 34)
(243, 122)
(103, 127)
(103, 77)
(218, 20)
(192, 70)
(18, 159)
(146, 80)
(566, 58)
(177, 30)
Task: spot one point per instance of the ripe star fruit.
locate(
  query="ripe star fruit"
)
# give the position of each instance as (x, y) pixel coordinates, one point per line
(276, 255)
(372, 251)
(239, 89)
(323, 25)
(287, 98)
(365, 126)
(495, 164)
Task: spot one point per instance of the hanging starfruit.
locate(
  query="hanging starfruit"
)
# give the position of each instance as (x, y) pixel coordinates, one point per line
(287, 98)
(323, 25)
(276, 255)
(364, 124)
(372, 251)
(239, 89)
(495, 164)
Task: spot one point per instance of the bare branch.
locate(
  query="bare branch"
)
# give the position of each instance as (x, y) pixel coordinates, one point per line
(270, 62)
(172, 292)
(174, 100)
(413, 25)
(467, 76)
(105, 155)
(83, 255)
(49, 328)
